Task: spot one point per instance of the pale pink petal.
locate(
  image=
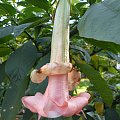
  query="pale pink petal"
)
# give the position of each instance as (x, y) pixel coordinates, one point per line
(52, 110)
(39, 116)
(76, 104)
(57, 89)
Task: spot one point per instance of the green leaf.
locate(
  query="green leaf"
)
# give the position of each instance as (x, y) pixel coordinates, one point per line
(42, 41)
(82, 51)
(93, 116)
(32, 11)
(2, 72)
(91, 1)
(40, 21)
(113, 47)
(17, 68)
(12, 99)
(20, 28)
(80, 4)
(100, 85)
(17, 30)
(111, 114)
(30, 19)
(6, 31)
(45, 59)
(22, 3)
(6, 39)
(21, 61)
(101, 22)
(4, 51)
(36, 21)
(39, 3)
(114, 56)
(7, 9)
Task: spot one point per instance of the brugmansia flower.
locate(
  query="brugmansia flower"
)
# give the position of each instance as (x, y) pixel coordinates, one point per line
(62, 77)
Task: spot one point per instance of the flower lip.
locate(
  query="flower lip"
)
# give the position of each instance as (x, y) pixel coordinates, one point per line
(47, 108)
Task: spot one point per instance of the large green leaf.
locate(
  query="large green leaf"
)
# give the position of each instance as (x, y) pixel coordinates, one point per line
(6, 31)
(17, 68)
(12, 101)
(101, 22)
(20, 28)
(39, 3)
(99, 83)
(7, 9)
(21, 61)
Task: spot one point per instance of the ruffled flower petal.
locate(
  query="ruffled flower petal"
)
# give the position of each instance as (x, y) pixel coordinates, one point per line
(35, 103)
(75, 104)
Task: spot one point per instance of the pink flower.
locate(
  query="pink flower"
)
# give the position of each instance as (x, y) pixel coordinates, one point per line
(56, 100)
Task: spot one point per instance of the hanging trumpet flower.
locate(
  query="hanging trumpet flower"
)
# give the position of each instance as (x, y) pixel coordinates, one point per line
(62, 77)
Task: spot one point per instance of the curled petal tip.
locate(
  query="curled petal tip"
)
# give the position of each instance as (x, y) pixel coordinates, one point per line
(73, 79)
(84, 94)
(37, 77)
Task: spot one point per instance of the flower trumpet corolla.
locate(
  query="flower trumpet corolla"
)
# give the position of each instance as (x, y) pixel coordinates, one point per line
(62, 77)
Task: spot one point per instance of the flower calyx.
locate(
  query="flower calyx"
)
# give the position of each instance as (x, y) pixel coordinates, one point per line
(37, 76)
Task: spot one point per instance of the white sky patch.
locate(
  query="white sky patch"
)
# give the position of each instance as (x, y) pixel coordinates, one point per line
(20, 8)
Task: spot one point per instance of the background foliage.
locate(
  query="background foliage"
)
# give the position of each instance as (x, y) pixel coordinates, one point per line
(25, 37)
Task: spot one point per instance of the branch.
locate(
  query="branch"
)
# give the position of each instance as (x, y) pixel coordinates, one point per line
(53, 2)
(73, 31)
(95, 52)
(29, 36)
